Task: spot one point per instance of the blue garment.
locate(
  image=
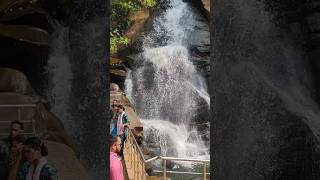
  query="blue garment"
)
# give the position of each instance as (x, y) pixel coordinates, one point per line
(113, 128)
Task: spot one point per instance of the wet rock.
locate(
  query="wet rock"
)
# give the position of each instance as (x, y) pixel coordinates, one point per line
(25, 33)
(266, 117)
(138, 21)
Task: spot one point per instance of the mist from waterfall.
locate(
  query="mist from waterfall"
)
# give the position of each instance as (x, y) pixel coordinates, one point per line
(77, 90)
(60, 77)
(167, 89)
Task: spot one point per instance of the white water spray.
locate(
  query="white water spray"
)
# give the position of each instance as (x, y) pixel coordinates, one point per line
(60, 77)
(167, 88)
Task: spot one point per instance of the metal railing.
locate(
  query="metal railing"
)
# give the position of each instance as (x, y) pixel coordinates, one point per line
(19, 107)
(137, 161)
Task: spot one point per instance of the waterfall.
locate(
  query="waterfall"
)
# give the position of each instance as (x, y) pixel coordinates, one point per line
(77, 90)
(60, 77)
(167, 89)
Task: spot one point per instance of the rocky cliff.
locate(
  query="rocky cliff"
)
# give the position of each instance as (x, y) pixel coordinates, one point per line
(264, 103)
(15, 89)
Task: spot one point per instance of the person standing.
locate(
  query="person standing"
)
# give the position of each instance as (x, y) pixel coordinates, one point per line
(116, 169)
(16, 129)
(36, 166)
(123, 125)
(114, 122)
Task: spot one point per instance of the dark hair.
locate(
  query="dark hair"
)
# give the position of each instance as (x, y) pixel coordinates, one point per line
(113, 140)
(19, 123)
(121, 107)
(37, 144)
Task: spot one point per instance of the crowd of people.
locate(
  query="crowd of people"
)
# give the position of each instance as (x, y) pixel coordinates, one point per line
(24, 158)
(119, 129)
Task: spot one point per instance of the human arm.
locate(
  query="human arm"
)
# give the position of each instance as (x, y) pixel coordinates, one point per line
(14, 170)
(125, 121)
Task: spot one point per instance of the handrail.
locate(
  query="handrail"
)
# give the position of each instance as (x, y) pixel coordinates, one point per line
(180, 172)
(19, 107)
(135, 142)
(179, 159)
(16, 105)
(164, 158)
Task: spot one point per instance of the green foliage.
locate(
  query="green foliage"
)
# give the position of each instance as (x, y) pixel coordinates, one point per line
(149, 3)
(120, 19)
(116, 41)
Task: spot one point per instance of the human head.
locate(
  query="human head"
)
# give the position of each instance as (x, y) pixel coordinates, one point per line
(120, 108)
(115, 144)
(16, 128)
(115, 108)
(114, 102)
(34, 149)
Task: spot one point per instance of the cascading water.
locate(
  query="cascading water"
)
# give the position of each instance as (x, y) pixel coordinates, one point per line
(60, 77)
(167, 88)
(76, 91)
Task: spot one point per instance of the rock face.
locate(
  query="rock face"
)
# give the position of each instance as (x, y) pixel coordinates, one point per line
(89, 99)
(65, 161)
(266, 117)
(47, 124)
(138, 20)
(26, 29)
(15, 89)
(14, 81)
(117, 71)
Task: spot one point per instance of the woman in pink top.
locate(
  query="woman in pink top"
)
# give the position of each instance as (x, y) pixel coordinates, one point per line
(116, 170)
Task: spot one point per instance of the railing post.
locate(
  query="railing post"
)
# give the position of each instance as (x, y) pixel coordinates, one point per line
(137, 162)
(131, 151)
(164, 169)
(204, 171)
(34, 110)
(143, 173)
(134, 162)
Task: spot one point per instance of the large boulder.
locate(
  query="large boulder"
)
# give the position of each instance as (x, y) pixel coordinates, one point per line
(15, 89)
(138, 20)
(65, 161)
(14, 81)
